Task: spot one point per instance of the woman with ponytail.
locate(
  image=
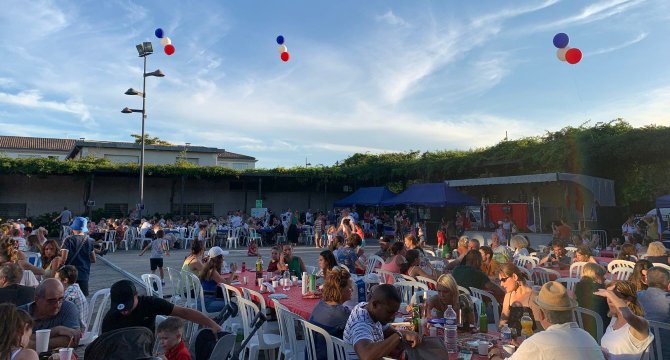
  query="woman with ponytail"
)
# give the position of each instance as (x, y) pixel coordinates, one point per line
(627, 336)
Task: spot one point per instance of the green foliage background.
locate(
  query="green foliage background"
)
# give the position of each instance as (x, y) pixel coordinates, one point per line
(635, 158)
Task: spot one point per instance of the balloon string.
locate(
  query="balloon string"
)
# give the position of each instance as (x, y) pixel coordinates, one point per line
(579, 95)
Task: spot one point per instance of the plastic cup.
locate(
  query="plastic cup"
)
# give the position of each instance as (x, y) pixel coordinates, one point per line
(275, 284)
(42, 340)
(294, 279)
(65, 353)
(509, 349)
(64, 253)
(483, 348)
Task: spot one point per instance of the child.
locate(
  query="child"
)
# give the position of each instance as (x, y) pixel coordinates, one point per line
(440, 239)
(169, 333)
(158, 246)
(253, 248)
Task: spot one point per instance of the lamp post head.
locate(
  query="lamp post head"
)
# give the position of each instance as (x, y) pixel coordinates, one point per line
(132, 91)
(130, 111)
(144, 48)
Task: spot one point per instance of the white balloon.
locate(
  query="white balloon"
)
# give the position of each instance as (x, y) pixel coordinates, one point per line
(165, 41)
(282, 48)
(560, 53)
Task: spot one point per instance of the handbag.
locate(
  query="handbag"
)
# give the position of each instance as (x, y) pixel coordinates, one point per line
(430, 348)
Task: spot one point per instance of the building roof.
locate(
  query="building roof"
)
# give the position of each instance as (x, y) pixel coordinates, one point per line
(35, 143)
(227, 155)
(79, 144)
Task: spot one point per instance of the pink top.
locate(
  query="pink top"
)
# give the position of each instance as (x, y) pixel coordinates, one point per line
(392, 266)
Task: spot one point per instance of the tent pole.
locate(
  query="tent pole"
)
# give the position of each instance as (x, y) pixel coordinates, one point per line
(539, 211)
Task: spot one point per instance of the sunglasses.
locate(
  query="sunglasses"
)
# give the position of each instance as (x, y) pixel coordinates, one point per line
(502, 280)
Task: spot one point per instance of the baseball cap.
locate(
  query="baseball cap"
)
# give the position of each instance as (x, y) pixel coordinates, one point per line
(122, 295)
(216, 251)
(79, 224)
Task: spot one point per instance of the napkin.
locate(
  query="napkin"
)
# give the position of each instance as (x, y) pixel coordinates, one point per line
(278, 296)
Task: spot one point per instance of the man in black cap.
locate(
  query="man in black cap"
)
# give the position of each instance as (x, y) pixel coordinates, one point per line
(128, 309)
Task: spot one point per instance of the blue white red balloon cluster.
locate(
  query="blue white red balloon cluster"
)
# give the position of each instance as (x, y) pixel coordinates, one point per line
(283, 50)
(165, 41)
(564, 52)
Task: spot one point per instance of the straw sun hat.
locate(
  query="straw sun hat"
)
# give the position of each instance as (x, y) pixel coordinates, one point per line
(554, 296)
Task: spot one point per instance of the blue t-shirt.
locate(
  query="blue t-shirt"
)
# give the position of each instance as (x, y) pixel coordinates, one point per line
(332, 318)
(347, 256)
(80, 260)
(68, 316)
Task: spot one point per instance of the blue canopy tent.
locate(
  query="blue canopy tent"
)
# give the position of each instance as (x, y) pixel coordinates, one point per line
(431, 195)
(663, 201)
(368, 196)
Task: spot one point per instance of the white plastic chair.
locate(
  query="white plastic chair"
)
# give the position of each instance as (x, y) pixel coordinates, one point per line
(656, 348)
(310, 269)
(429, 252)
(308, 234)
(98, 306)
(233, 323)
(260, 341)
(310, 340)
(427, 281)
(385, 276)
(153, 285)
(291, 348)
(341, 349)
(541, 276)
(438, 265)
(524, 261)
(525, 271)
(408, 288)
(661, 265)
(233, 238)
(579, 313)
(269, 327)
(464, 290)
(193, 282)
(569, 284)
(127, 239)
(373, 262)
(175, 286)
(481, 295)
(253, 235)
(576, 269)
(189, 238)
(109, 242)
(619, 263)
(621, 273)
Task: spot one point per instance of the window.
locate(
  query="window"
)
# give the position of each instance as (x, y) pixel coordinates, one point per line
(116, 210)
(12, 211)
(123, 159)
(197, 209)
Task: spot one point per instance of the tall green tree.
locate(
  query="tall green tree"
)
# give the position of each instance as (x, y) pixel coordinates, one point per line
(148, 140)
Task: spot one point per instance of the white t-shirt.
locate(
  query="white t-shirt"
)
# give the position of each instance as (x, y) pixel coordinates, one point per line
(360, 326)
(157, 248)
(622, 345)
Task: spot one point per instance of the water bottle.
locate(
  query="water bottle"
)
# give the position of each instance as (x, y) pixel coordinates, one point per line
(451, 330)
(506, 334)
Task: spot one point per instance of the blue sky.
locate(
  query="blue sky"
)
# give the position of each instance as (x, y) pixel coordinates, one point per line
(364, 76)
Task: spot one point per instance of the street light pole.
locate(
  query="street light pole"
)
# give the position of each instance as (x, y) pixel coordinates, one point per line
(145, 49)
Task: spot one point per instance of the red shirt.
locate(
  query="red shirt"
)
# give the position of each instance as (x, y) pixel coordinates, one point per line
(179, 352)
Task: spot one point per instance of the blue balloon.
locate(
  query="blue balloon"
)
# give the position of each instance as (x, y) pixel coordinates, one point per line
(159, 33)
(561, 40)
(280, 39)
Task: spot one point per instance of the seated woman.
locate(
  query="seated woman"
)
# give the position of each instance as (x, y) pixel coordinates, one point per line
(412, 266)
(628, 335)
(51, 260)
(593, 279)
(583, 254)
(210, 277)
(396, 261)
(329, 313)
(518, 297)
(348, 256)
(326, 263)
(639, 275)
(17, 330)
(192, 262)
(519, 245)
(447, 294)
(657, 253)
(9, 253)
(628, 252)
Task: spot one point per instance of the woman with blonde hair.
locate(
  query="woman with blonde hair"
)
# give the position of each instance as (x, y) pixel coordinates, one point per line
(447, 294)
(16, 328)
(519, 245)
(657, 253)
(593, 279)
(518, 296)
(627, 336)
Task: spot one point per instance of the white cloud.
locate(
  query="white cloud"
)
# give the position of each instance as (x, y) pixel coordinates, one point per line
(591, 13)
(33, 99)
(610, 49)
(392, 19)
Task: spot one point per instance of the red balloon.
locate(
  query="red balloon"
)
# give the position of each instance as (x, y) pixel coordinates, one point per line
(169, 49)
(573, 56)
(285, 56)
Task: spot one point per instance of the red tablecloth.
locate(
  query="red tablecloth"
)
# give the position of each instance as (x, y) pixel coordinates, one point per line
(294, 302)
(607, 253)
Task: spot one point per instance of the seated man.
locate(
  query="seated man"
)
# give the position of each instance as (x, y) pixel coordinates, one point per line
(469, 274)
(366, 328)
(127, 309)
(10, 290)
(490, 267)
(291, 263)
(558, 256)
(655, 301)
(562, 339)
(50, 311)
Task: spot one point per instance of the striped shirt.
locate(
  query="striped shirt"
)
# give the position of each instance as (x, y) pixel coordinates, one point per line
(360, 326)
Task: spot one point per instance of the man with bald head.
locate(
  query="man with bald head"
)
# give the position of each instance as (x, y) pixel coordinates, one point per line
(50, 311)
